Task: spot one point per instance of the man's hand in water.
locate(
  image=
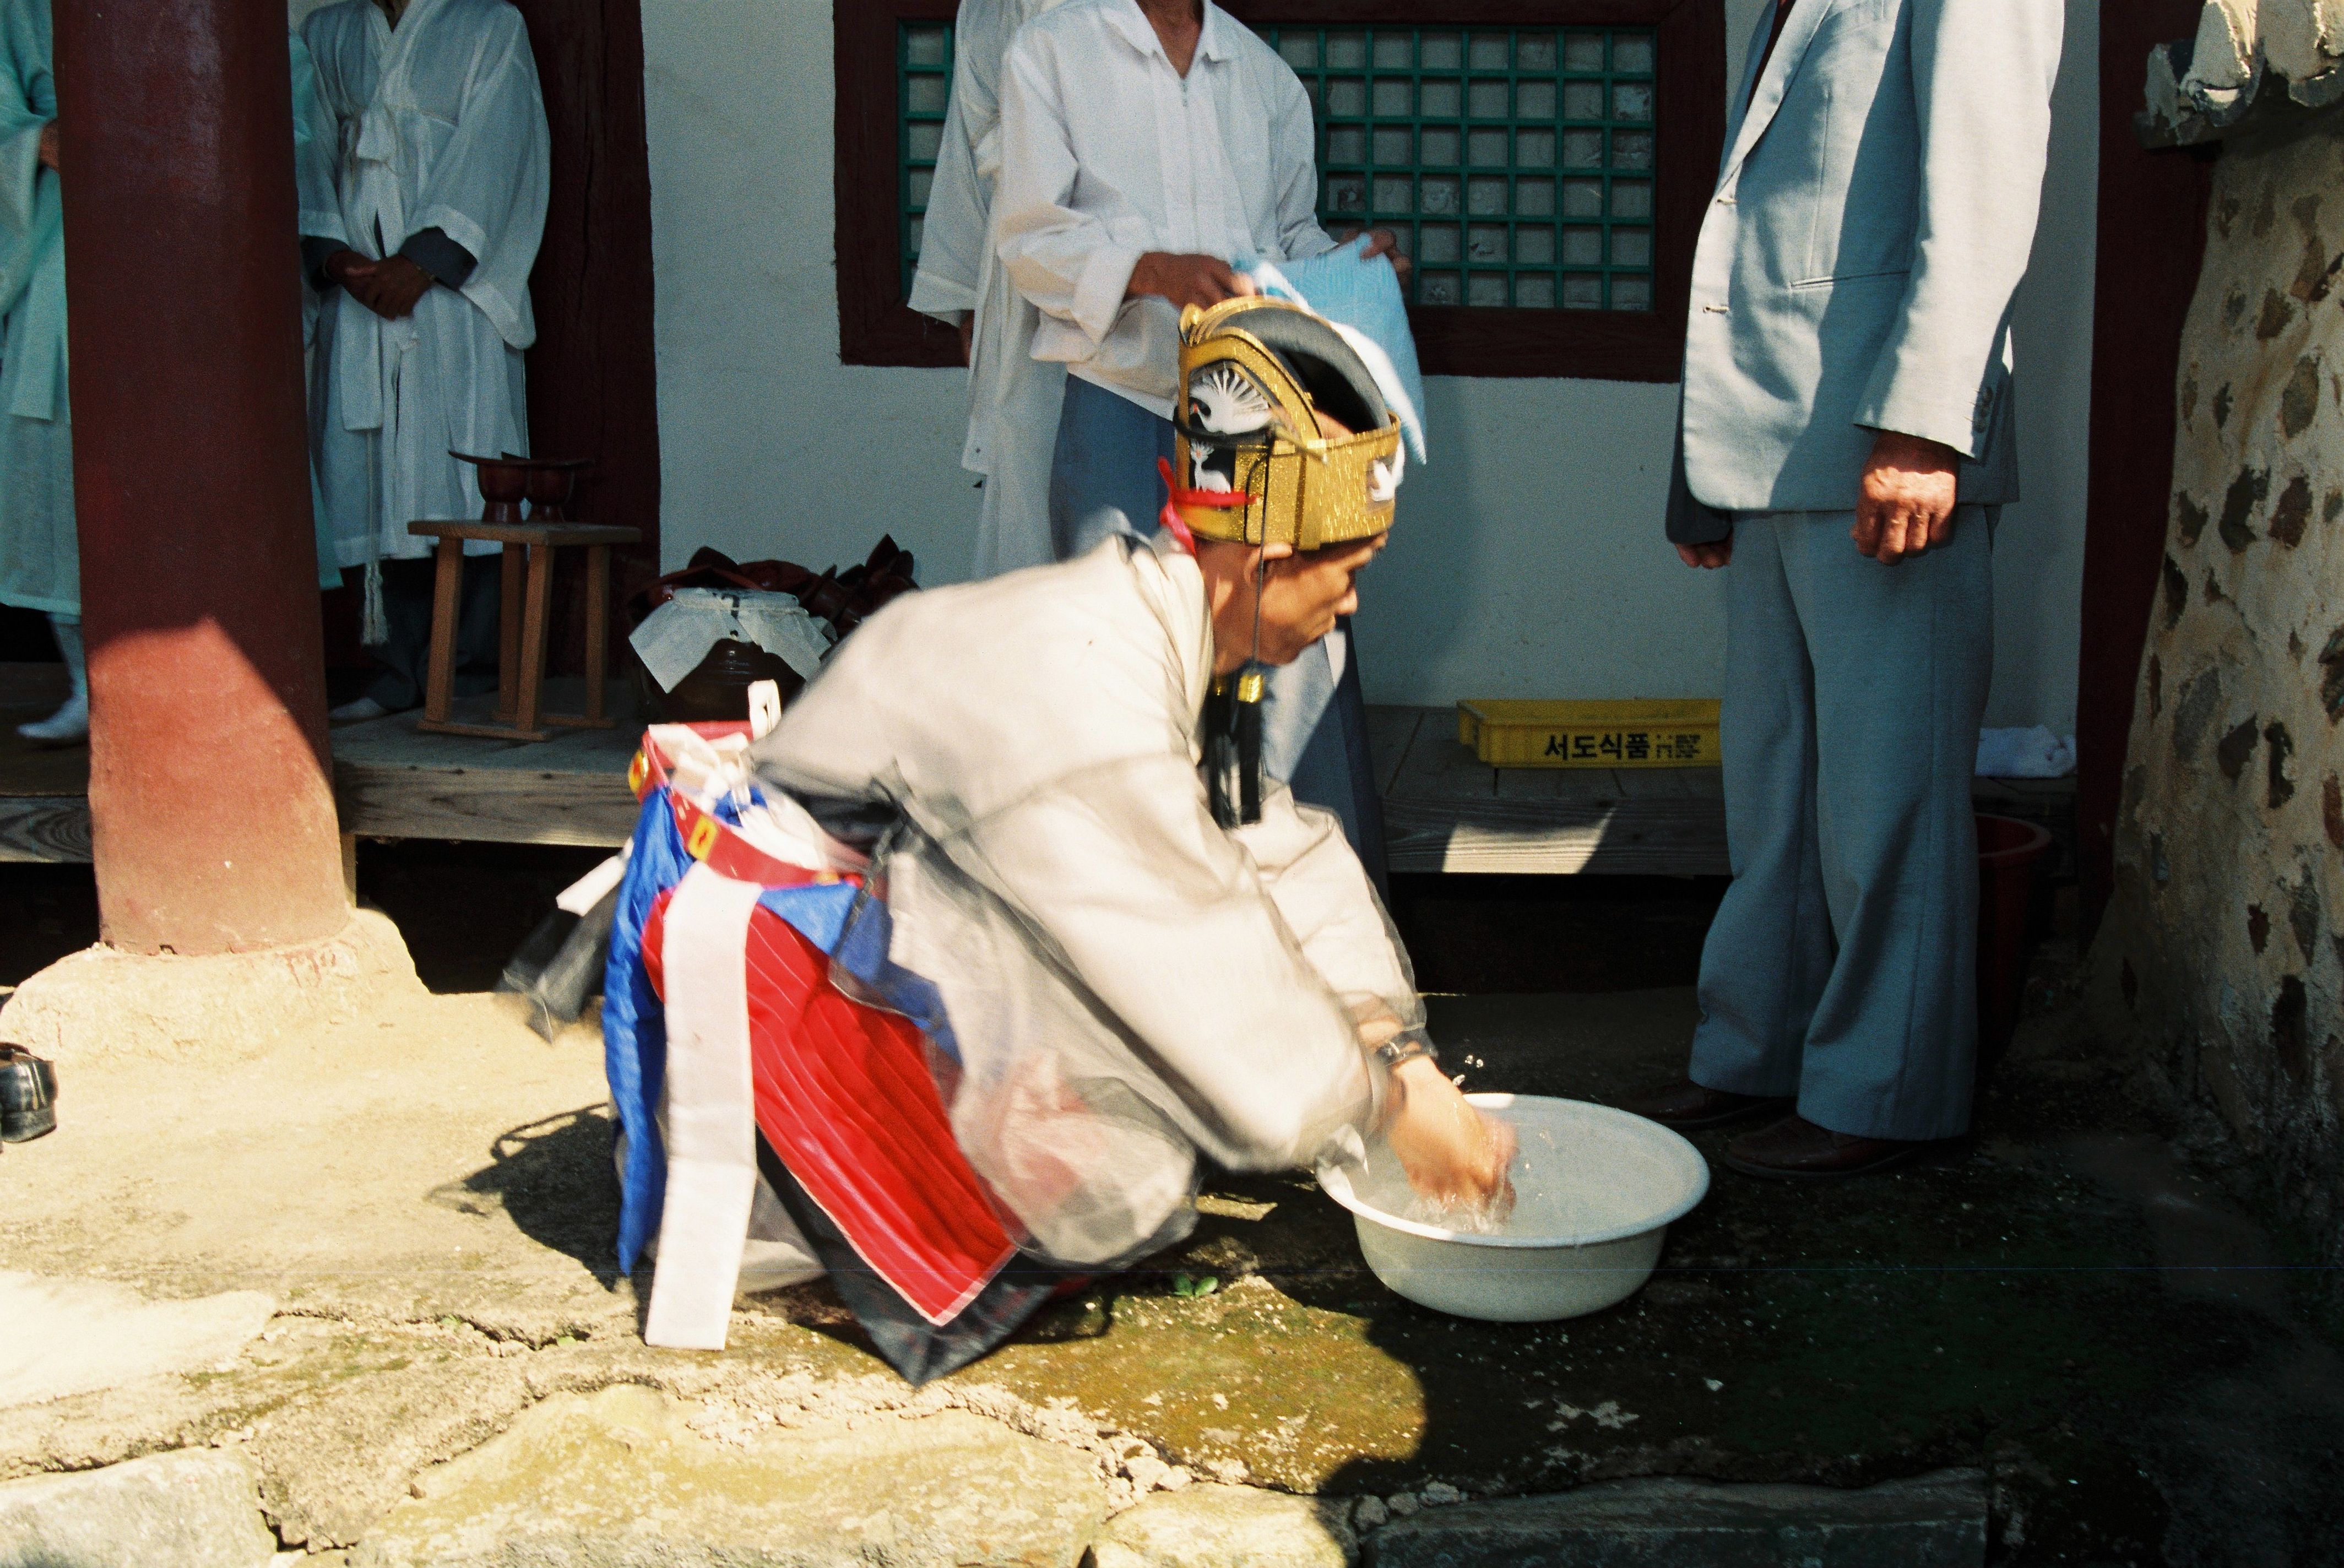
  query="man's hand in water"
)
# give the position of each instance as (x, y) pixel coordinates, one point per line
(1451, 1152)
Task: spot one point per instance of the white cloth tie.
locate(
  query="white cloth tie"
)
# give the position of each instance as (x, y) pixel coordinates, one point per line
(711, 1128)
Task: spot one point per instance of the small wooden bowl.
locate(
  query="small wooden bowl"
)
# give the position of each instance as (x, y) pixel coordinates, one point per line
(504, 485)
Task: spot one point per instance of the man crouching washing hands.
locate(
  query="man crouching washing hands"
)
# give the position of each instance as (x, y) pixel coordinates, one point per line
(1127, 951)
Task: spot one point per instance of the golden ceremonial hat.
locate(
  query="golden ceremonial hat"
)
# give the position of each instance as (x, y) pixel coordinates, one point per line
(1284, 438)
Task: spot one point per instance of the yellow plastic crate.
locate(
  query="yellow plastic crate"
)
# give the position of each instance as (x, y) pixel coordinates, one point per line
(1680, 733)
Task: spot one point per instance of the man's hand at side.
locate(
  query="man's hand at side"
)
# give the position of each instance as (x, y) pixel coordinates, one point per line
(1906, 502)
(48, 148)
(1200, 280)
(1708, 557)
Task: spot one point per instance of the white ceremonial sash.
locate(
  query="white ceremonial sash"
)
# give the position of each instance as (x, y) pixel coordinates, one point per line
(712, 1128)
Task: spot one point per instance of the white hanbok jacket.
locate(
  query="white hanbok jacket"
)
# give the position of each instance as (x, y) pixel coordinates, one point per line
(438, 125)
(1128, 983)
(1014, 400)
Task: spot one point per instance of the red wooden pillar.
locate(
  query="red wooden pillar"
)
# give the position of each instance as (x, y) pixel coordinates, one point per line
(210, 794)
(2152, 235)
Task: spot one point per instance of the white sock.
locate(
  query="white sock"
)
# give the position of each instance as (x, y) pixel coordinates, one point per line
(71, 721)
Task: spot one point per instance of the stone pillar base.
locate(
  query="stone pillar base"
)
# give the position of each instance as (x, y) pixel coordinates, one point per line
(99, 1002)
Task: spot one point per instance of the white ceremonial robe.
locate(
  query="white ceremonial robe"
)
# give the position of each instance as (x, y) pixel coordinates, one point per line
(39, 554)
(1107, 152)
(1012, 409)
(313, 168)
(1129, 984)
(439, 125)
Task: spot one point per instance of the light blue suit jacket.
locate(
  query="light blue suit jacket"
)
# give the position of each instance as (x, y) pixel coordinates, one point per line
(1855, 271)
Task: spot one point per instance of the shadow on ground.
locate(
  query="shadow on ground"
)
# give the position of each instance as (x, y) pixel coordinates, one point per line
(554, 1180)
(2062, 1306)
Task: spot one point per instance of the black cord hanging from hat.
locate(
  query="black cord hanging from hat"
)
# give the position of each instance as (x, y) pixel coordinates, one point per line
(1233, 728)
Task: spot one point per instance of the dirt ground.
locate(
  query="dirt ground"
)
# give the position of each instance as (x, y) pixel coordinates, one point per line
(428, 1194)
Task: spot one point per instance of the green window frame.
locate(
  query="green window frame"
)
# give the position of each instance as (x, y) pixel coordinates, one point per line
(923, 66)
(1544, 163)
(1514, 165)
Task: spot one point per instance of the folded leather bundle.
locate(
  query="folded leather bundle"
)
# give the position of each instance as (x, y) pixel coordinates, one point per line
(844, 598)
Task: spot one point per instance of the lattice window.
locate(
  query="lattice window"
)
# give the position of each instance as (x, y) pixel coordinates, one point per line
(1515, 164)
(923, 63)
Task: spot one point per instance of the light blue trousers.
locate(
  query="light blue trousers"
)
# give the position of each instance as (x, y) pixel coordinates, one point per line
(1843, 964)
(1314, 722)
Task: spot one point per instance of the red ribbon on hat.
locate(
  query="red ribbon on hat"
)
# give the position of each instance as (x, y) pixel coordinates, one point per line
(1217, 500)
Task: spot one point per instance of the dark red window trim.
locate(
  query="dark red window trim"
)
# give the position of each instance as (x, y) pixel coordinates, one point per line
(874, 326)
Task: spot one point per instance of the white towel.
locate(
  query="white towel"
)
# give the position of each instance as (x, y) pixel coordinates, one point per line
(1362, 299)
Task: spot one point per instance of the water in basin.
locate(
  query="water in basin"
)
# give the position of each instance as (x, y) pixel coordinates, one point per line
(1574, 1178)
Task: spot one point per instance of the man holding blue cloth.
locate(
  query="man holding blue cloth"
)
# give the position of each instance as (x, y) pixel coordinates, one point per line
(1150, 149)
(1848, 372)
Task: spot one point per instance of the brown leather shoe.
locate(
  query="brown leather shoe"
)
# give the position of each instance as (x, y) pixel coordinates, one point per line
(1796, 1149)
(1687, 1107)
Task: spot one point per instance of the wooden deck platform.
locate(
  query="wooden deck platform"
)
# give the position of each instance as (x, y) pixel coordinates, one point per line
(1444, 810)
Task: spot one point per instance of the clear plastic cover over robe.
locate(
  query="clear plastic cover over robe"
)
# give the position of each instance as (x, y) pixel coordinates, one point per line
(1125, 983)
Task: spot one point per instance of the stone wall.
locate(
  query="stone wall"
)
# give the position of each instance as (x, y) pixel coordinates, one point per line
(2224, 949)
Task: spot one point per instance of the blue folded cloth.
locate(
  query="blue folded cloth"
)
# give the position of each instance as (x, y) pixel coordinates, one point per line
(1363, 297)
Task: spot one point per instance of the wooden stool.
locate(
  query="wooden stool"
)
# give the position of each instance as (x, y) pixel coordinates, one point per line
(522, 620)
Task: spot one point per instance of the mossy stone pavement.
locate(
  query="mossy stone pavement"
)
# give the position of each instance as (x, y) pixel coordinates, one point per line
(427, 1197)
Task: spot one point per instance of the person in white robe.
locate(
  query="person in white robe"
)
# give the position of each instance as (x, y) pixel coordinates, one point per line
(1063, 882)
(1127, 956)
(1014, 399)
(1150, 149)
(313, 166)
(426, 235)
(39, 554)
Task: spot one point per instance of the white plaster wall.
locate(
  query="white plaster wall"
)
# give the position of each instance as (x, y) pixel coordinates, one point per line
(768, 445)
(1530, 560)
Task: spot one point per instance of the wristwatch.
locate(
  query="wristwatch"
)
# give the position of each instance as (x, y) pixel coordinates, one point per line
(1404, 1047)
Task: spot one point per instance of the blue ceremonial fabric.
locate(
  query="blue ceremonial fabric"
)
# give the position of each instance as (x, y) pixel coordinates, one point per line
(861, 951)
(634, 1023)
(635, 1027)
(819, 910)
(1364, 296)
